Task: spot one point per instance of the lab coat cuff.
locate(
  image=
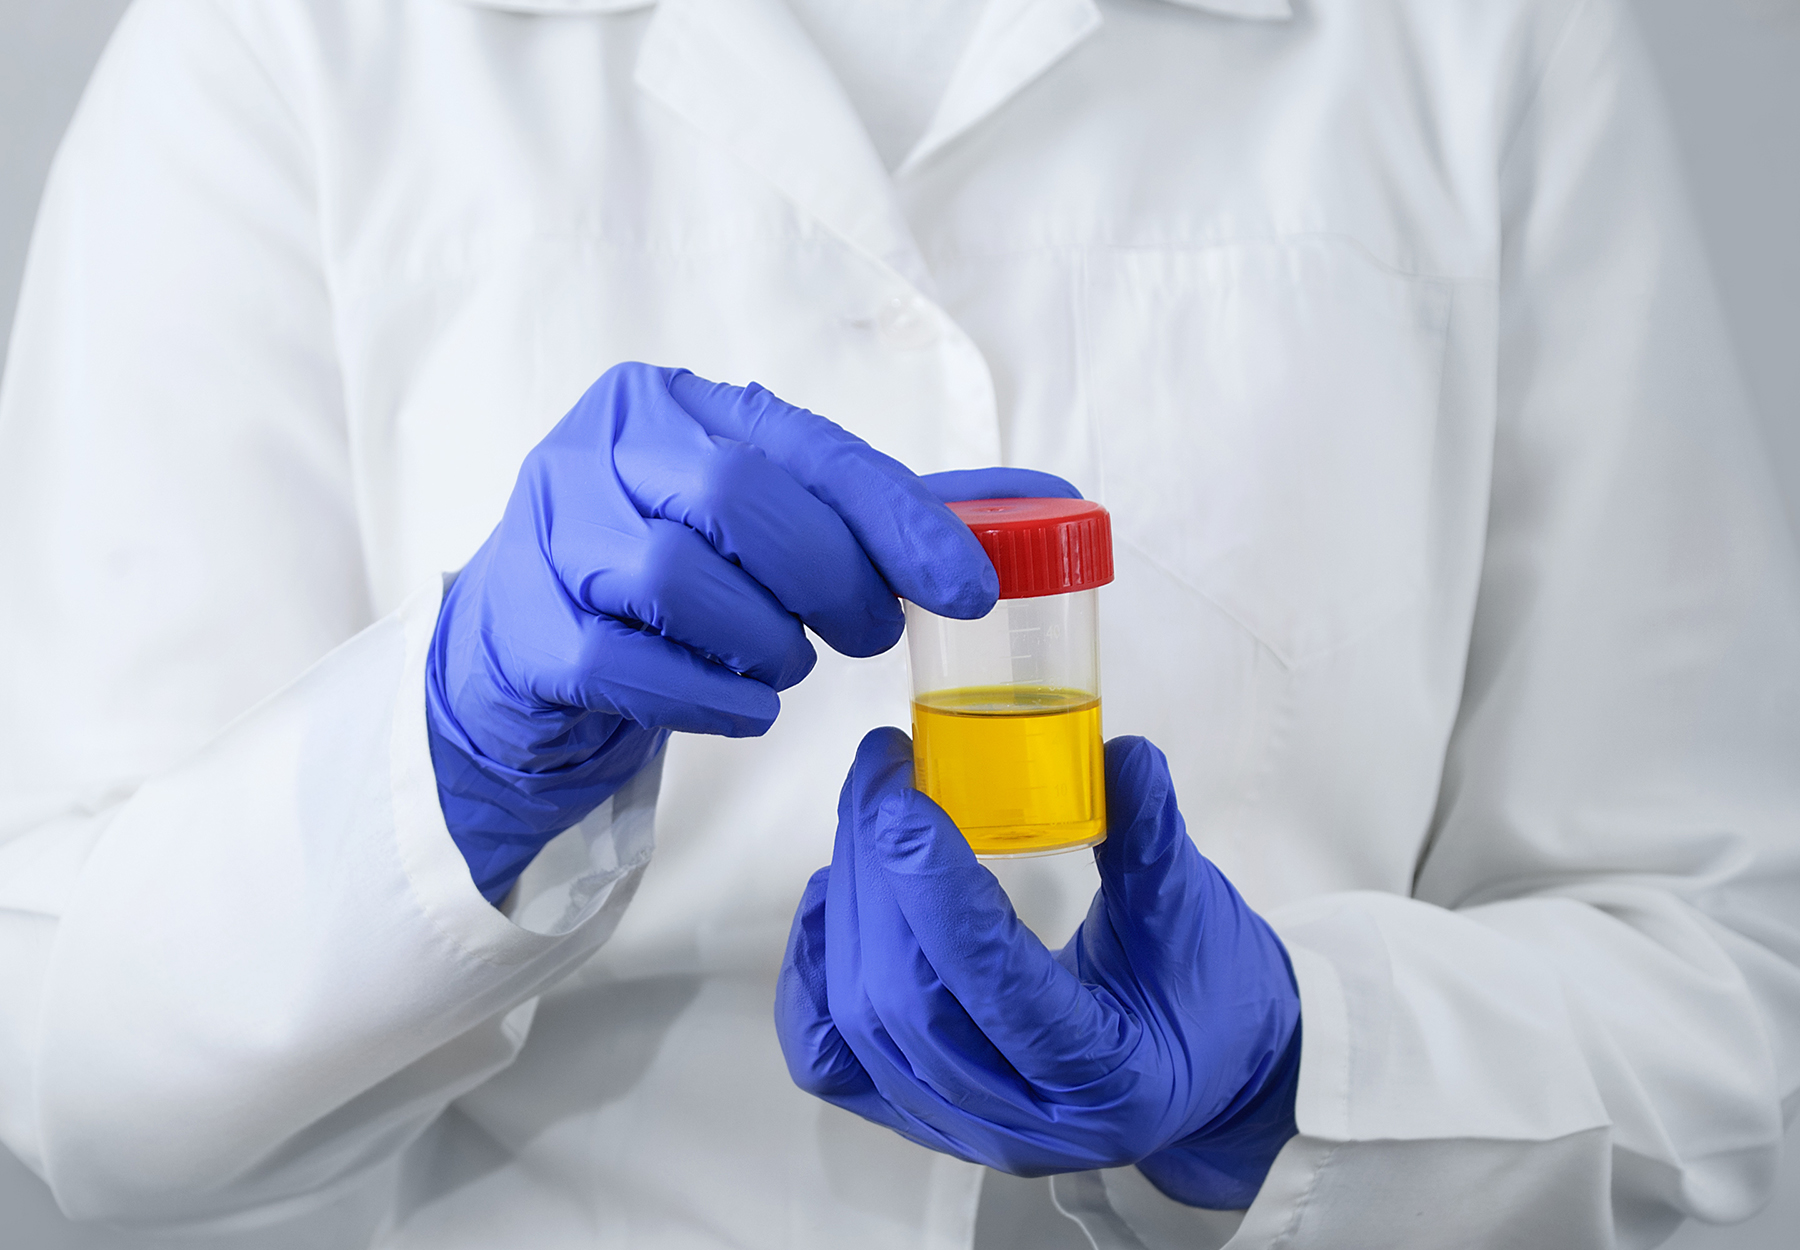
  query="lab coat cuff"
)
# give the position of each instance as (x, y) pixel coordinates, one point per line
(1120, 1209)
(1402, 1002)
(579, 882)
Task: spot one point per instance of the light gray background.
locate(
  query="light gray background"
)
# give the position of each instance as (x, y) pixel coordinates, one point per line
(1732, 72)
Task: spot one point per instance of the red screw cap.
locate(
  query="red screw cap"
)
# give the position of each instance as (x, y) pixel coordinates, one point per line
(1042, 546)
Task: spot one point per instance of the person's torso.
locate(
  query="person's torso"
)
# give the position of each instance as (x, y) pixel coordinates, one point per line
(1234, 279)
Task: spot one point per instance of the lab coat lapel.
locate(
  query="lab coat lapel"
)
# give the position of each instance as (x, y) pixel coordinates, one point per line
(1251, 10)
(1014, 42)
(744, 73)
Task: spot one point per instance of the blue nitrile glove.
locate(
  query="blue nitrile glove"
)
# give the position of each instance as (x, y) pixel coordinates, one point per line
(661, 550)
(1165, 1034)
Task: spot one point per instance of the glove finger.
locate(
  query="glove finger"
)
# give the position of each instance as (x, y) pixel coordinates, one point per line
(923, 551)
(847, 999)
(958, 485)
(616, 668)
(673, 581)
(1155, 883)
(905, 1104)
(920, 1111)
(816, 1052)
(1053, 1029)
(1047, 1025)
(817, 1057)
(1176, 921)
(755, 513)
(942, 1046)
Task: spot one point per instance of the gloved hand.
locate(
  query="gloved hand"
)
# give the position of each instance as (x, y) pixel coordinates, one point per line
(660, 552)
(1165, 1034)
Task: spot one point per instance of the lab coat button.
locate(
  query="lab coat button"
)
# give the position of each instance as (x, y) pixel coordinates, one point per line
(906, 322)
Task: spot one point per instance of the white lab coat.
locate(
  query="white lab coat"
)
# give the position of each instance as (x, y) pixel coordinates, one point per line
(1448, 578)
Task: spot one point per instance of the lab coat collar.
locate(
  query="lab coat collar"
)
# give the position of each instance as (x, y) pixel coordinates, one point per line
(1253, 10)
(553, 7)
(745, 74)
(1014, 41)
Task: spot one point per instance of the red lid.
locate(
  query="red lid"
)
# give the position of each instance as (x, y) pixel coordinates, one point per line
(1042, 546)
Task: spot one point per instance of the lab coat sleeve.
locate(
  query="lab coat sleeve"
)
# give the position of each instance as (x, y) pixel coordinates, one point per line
(1584, 1026)
(241, 962)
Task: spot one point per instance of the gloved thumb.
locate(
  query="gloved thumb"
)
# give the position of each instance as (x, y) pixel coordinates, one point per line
(1153, 879)
(961, 970)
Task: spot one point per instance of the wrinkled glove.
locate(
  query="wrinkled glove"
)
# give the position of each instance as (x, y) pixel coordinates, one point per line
(661, 550)
(1165, 1034)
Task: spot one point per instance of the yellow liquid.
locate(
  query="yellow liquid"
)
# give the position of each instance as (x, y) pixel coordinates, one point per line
(1019, 768)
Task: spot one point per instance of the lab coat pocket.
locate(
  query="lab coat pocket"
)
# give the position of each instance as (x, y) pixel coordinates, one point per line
(1266, 415)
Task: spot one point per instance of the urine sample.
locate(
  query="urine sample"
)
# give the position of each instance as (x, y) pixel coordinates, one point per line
(1006, 709)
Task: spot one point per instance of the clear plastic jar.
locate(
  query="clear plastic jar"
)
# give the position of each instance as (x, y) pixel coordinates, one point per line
(1006, 709)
